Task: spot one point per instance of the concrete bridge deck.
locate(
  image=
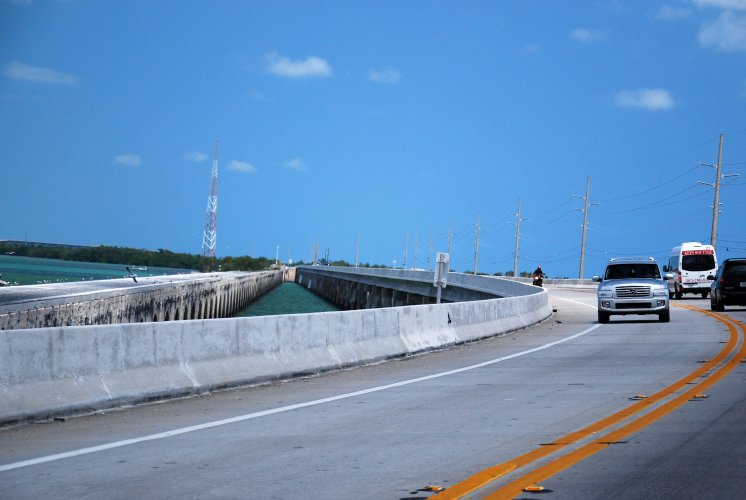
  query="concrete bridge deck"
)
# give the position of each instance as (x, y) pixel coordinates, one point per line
(149, 299)
(14, 297)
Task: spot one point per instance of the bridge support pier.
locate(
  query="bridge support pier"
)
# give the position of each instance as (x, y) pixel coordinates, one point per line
(198, 296)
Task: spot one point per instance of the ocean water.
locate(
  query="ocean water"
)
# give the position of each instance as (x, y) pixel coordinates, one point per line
(18, 270)
(288, 298)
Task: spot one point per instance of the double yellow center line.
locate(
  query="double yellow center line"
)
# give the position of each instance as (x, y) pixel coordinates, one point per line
(715, 369)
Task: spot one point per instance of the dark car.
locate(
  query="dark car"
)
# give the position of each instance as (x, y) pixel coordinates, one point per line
(729, 287)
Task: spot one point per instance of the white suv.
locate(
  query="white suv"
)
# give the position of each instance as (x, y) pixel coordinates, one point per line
(633, 286)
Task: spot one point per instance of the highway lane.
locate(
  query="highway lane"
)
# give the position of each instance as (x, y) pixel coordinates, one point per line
(390, 430)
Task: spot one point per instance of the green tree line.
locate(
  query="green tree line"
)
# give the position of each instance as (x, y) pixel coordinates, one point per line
(136, 257)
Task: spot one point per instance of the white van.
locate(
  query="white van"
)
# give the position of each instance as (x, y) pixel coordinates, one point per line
(690, 264)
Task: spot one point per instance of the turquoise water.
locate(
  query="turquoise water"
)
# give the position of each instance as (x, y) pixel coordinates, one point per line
(288, 298)
(18, 270)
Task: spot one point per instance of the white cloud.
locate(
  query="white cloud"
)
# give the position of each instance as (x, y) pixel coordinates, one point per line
(242, 166)
(195, 156)
(585, 35)
(727, 33)
(651, 99)
(722, 4)
(128, 160)
(531, 48)
(312, 66)
(298, 165)
(25, 72)
(668, 13)
(388, 75)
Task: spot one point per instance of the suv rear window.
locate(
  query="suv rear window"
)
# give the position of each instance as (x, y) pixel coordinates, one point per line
(624, 271)
(735, 270)
(698, 262)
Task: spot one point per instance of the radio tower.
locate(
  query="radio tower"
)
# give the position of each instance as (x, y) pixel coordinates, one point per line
(209, 238)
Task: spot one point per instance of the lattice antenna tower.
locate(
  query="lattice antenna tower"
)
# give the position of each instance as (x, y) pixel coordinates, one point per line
(210, 236)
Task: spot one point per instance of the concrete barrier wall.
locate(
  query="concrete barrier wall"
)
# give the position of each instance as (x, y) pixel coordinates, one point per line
(166, 298)
(66, 370)
(559, 282)
(344, 285)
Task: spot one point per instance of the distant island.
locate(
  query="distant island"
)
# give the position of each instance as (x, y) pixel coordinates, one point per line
(162, 258)
(133, 256)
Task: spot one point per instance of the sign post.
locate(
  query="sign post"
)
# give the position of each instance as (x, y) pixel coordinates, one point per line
(440, 278)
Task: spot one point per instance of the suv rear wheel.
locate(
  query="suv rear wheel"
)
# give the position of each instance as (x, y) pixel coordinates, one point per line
(715, 304)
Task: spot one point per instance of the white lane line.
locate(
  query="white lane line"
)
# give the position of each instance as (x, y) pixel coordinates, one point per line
(592, 306)
(282, 409)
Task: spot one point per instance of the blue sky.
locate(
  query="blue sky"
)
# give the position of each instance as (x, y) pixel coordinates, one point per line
(381, 122)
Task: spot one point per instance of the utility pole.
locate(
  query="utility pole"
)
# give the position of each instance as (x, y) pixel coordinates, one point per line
(517, 239)
(429, 249)
(316, 253)
(277, 256)
(406, 250)
(450, 237)
(716, 203)
(416, 243)
(585, 225)
(476, 246)
(357, 248)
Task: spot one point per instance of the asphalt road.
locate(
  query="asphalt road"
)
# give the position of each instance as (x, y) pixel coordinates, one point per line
(390, 430)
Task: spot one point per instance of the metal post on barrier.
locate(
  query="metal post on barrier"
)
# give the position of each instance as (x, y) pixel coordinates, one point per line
(441, 273)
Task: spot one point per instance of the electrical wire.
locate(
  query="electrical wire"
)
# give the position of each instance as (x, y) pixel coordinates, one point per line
(658, 160)
(652, 188)
(659, 204)
(554, 220)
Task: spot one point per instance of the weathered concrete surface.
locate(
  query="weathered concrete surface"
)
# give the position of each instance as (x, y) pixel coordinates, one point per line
(150, 299)
(66, 370)
(582, 284)
(368, 288)
(356, 288)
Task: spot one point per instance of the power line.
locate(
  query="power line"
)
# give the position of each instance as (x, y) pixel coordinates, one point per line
(659, 204)
(554, 220)
(626, 172)
(654, 187)
(566, 202)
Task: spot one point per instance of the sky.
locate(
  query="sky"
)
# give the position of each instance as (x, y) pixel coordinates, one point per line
(378, 130)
